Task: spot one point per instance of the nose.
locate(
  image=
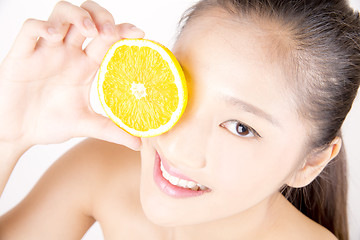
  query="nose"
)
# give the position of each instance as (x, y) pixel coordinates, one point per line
(184, 146)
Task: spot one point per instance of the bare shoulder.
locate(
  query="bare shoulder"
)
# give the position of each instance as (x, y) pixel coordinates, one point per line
(295, 225)
(65, 201)
(113, 172)
(102, 159)
(109, 168)
(315, 231)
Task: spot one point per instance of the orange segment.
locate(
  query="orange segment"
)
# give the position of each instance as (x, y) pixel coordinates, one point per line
(142, 87)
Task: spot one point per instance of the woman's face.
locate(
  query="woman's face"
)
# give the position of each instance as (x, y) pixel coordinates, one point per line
(239, 136)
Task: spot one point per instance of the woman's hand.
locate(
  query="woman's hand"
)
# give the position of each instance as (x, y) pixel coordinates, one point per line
(46, 78)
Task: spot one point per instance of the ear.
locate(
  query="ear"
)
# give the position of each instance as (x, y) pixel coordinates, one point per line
(314, 164)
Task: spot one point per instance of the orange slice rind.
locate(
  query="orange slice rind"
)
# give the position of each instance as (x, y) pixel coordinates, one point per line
(142, 87)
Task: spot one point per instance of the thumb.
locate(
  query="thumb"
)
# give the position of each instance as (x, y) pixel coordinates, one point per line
(100, 127)
(98, 47)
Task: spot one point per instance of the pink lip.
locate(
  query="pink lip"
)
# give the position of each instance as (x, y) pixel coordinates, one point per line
(167, 187)
(173, 171)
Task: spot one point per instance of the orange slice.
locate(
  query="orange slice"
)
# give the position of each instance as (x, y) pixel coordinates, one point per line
(142, 87)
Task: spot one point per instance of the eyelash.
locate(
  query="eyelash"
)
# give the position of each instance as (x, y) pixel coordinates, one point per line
(233, 125)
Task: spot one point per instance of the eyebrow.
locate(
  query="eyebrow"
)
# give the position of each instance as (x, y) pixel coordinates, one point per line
(244, 106)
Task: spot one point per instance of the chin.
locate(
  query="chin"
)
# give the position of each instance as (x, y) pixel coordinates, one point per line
(159, 213)
(166, 211)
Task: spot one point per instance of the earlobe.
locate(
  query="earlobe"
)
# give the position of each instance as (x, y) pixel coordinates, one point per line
(314, 164)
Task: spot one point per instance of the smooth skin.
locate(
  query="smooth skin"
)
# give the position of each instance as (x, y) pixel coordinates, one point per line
(99, 180)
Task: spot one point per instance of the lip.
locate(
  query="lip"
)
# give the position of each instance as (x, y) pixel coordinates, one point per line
(169, 189)
(173, 171)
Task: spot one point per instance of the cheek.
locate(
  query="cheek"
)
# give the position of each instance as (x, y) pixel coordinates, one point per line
(253, 170)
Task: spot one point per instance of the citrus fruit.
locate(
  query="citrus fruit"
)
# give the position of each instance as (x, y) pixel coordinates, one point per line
(142, 87)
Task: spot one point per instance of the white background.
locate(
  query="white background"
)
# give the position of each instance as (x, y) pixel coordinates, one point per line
(158, 18)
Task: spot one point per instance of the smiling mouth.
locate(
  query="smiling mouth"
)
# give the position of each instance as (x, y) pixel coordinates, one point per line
(173, 183)
(181, 182)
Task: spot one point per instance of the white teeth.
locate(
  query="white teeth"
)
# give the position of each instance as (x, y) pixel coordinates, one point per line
(191, 184)
(166, 175)
(174, 180)
(162, 167)
(181, 182)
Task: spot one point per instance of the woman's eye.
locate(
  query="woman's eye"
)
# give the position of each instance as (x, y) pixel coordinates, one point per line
(239, 129)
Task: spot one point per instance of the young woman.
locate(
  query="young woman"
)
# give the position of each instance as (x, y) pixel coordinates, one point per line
(271, 82)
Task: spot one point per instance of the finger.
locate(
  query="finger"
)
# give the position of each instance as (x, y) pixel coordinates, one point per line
(98, 47)
(66, 14)
(29, 34)
(74, 37)
(103, 20)
(128, 30)
(100, 127)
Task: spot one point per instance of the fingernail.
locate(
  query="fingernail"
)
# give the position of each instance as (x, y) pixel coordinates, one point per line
(108, 29)
(89, 24)
(135, 29)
